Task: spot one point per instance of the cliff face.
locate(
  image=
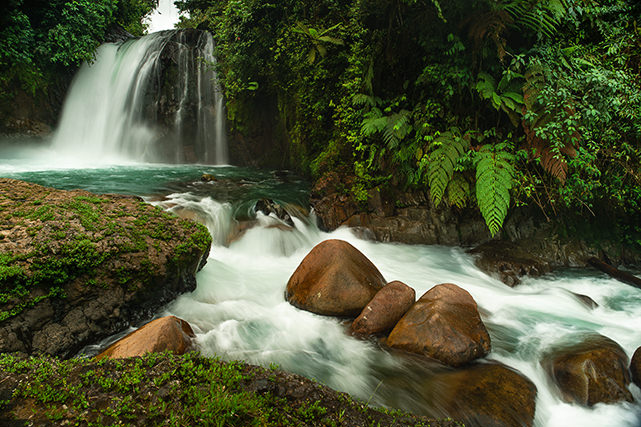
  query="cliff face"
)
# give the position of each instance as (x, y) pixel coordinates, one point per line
(76, 267)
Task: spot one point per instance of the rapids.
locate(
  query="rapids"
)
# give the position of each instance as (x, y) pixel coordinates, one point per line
(239, 312)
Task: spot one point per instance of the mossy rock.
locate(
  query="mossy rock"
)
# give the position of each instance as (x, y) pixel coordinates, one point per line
(76, 267)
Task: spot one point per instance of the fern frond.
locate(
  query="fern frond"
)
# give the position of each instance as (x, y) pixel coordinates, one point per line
(458, 191)
(373, 123)
(360, 99)
(397, 128)
(441, 163)
(494, 179)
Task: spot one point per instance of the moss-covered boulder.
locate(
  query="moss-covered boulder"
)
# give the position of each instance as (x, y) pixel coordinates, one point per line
(76, 267)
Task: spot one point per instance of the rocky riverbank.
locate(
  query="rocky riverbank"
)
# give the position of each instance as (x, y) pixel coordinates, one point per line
(529, 243)
(76, 267)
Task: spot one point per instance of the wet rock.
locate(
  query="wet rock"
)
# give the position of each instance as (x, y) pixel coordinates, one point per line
(635, 367)
(334, 279)
(207, 177)
(586, 300)
(443, 324)
(267, 207)
(92, 267)
(485, 394)
(384, 310)
(593, 371)
(508, 261)
(164, 334)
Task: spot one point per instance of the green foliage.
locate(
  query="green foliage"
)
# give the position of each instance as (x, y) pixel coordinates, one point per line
(564, 72)
(494, 179)
(446, 149)
(39, 39)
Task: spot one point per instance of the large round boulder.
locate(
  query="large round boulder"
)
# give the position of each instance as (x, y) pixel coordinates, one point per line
(635, 367)
(593, 371)
(443, 324)
(164, 334)
(334, 279)
(384, 310)
(486, 394)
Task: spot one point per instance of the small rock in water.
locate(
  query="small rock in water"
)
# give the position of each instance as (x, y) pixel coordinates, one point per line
(593, 371)
(207, 177)
(443, 324)
(334, 279)
(385, 309)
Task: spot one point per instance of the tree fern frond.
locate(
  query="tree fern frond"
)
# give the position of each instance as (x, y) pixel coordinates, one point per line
(441, 163)
(494, 179)
(373, 124)
(458, 191)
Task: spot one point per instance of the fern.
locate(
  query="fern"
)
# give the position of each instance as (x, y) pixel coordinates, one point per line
(441, 162)
(373, 122)
(458, 191)
(494, 179)
(396, 128)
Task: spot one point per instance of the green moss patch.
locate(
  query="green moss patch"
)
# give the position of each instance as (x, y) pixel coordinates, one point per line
(162, 389)
(50, 239)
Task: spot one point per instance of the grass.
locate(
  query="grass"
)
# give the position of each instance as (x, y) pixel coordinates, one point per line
(162, 389)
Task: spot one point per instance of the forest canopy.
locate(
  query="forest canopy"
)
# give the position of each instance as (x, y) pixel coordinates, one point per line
(39, 38)
(484, 103)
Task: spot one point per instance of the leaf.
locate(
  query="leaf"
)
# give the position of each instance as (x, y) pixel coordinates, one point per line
(458, 191)
(494, 179)
(332, 40)
(441, 162)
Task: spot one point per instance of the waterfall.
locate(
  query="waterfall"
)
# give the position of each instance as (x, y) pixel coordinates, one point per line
(152, 99)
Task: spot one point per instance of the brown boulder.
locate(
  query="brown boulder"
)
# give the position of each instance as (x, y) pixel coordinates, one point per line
(334, 279)
(592, 371)
(385, 309)
(443, 324)
(508, 261)
(484, 394)
(165, 334)
(635, 367)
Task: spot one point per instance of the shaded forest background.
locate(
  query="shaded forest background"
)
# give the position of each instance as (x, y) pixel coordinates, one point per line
(484, 104)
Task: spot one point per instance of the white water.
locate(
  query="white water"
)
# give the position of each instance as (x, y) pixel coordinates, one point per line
(239, 312)
(114, 103)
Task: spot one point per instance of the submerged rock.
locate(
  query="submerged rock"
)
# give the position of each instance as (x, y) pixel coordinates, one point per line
(77, 267)
(485, 394)
(443, 324)
(334, 279)
(593, 371)
(167, 333)
(508, 262)
(384, 310)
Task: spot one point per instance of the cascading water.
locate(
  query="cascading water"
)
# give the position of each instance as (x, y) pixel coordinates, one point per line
(238, 310)
(152, 99)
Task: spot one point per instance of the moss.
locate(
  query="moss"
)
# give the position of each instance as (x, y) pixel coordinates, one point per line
(162, 389)
(67, 237)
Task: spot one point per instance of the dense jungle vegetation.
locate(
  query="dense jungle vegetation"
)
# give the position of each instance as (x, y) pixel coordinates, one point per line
(487, 103)
(41, 39)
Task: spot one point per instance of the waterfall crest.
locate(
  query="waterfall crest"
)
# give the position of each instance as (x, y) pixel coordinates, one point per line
(152, 99)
